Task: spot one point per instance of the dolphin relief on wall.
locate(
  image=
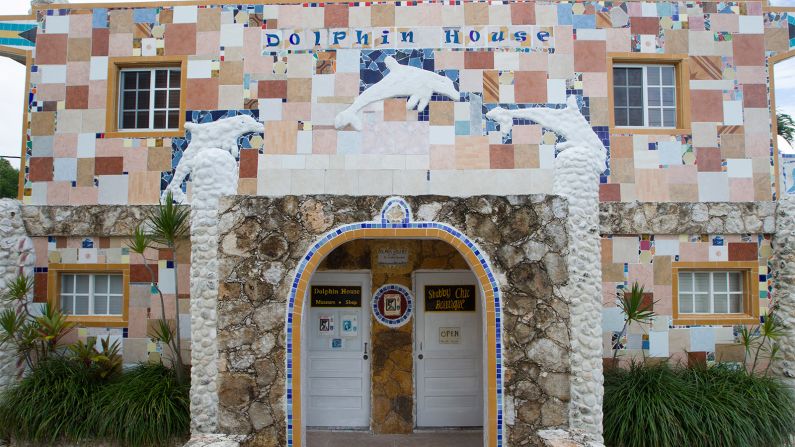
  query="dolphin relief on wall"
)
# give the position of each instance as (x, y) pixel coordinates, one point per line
(567, 122)
(205, 154)
(403, 80)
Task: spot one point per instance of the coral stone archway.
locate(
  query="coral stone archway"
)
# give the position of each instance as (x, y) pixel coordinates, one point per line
(396, 222)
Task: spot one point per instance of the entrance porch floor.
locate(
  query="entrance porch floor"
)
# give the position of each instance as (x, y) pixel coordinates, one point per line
(422, 439)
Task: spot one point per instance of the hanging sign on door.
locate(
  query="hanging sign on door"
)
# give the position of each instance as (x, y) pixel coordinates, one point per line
(450, 298)
(449, 335)
(336, 296)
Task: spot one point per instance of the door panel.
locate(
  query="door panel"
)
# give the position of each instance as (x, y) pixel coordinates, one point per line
(338, 376)
(449, 368)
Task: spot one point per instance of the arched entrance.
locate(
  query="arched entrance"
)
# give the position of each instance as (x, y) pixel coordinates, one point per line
(396, 223)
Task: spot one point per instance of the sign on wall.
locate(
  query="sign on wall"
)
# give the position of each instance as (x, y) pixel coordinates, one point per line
(336, 296)
(450, 299)
(392, 305)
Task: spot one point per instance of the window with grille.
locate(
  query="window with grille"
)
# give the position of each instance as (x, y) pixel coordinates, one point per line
(711, 292)
(149, 99)
(644, 96)
(92, 294)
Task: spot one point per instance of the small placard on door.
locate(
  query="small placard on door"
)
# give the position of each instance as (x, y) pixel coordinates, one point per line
(449, 335)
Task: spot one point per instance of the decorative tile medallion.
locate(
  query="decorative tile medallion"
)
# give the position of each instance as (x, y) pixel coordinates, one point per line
(392, 305)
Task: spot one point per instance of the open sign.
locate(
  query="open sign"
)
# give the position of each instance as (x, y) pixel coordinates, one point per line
(449, 335)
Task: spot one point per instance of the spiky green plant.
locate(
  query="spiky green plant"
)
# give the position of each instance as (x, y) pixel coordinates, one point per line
(785, 126)
(661, 406)
(50, 405)
(147, 406)
(634, 310)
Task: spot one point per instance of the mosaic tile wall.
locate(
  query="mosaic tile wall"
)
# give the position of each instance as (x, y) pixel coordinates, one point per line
(144, 308)
(296, 66)
(647, 259)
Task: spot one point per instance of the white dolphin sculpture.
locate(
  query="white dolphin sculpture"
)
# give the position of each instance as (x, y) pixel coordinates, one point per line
(567, 122)
(402, 80)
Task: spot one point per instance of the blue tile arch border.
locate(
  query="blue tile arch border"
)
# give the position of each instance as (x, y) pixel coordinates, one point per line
(398, 322)
(383, 222)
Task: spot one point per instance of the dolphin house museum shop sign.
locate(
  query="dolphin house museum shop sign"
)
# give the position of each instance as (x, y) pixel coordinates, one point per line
(336, 296)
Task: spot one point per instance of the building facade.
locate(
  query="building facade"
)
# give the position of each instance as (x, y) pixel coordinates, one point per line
(414, 155)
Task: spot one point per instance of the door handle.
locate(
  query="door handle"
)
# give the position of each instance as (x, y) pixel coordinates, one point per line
(365, 352)
(420, 356)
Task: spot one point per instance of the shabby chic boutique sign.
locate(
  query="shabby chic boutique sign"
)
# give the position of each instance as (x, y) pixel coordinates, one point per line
(518, 36)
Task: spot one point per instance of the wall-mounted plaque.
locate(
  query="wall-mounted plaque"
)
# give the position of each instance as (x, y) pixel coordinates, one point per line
(450, 299)
(392, 305)
(336, 296)
(393, 256)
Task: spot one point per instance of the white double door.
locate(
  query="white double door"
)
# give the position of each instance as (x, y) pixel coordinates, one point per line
(448, 356)
(338, 367)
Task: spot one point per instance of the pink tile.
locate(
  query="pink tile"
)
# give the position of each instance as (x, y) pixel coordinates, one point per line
(51, 92)
(64, 145)
(527, 134)
(137, 322)
(183, 278)
(693, 251)
(445, 60)
(81, 195)
(346, 84)
(135, 160)
(724, 22)
(110, 147)
(442, 157)
(741, 189)
(594, 84)
(77, 73)
(97, 94)
(643, 274)
(120, 45)
(533, 61)
(80, 25)
(40, 246)
(325, 141)
(684, 174)
(208, 43)
(564, 39)
(297, 111)
(664, 300)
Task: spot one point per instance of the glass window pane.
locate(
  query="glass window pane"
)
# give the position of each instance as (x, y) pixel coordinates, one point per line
(161, 79)
(735, 303)
(115, 305)
(720, 282)
(701, 282)
(686, 281)
(175, 79)
(635, 76)
(635, 97)
(68, 283)
(686, 303)
(144, 80)
(173, 99)
(129, 79)
(668, 75)
(655, 118)
(116, 284)
(669, 118)
(66, 304)
(128, 120)
(143, 120)
(143, 100)
(668, 96)
(653, 75)
(82, 283)
(636, 116)
(654, 96)
(128, 101)
(160, 120)
(161, 98)
(619, 76)
(622, 118)
(81, 305)
(100, 284)
(735, 282)
(620, 96)
(101, 305)
(173, 119)
(701, 303)
(720, 303)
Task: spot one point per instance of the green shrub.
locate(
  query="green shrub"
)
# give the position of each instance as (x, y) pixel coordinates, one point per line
(50, 404)
(661, 406)
(146, 406)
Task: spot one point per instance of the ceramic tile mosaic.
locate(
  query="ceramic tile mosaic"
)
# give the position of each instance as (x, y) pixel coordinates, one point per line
(297, 66)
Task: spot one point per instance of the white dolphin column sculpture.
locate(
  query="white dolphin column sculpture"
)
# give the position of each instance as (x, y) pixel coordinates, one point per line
(577, 171)
(402, 80)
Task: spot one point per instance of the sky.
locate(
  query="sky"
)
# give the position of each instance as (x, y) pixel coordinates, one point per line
(12, 80)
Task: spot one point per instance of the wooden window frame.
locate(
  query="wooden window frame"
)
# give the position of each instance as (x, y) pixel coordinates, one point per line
(750, 278)
(680, 64)
(54, 274)
(115, 66)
